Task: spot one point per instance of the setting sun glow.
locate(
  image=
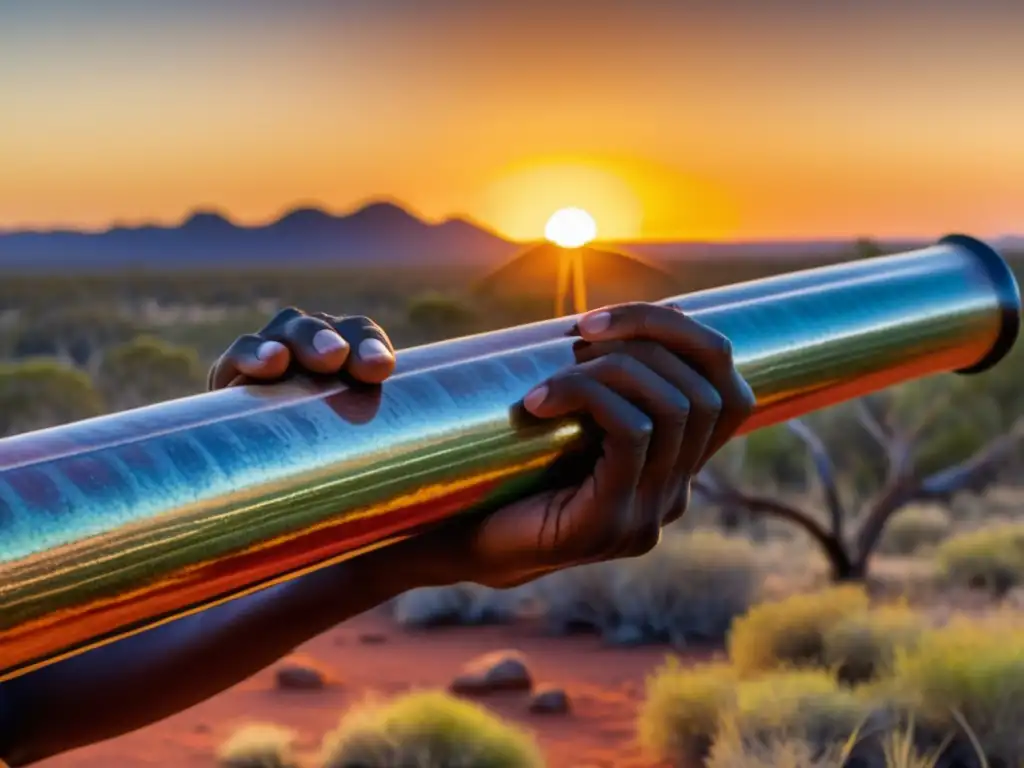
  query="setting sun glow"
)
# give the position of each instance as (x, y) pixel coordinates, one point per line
(570, 228)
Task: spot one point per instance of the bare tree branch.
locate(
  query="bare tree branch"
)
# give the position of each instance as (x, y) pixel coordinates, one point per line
(871, 423)
(898, 450)
(927, 419)
(976, 472)
(826, 472)
(832, 546)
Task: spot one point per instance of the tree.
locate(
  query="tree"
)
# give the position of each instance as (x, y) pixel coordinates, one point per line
(440, 316)
(902, 444)
(76, 334)
(41, 393)
(866, 248)
(148, 370)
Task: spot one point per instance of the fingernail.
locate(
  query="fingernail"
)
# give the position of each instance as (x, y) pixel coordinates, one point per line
(596, 323)
(269, 349)
(535, 398)
(327, 342)
(375, 351)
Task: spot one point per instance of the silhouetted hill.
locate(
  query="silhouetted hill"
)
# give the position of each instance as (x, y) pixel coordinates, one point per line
(611, 277)
(378, 234)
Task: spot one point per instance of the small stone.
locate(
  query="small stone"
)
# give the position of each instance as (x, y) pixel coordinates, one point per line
(492, 672)
(550, 700)
(373, 638)
(300, 676)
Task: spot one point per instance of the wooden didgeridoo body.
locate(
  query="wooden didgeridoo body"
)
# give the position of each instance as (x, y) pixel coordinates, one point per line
(113, 525)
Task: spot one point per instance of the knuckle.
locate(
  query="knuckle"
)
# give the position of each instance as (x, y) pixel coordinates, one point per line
(639, 433)
(710, 402)
(570, 381)
(286, 315)
(646, 317)
(658, 352)
(243, 346)
(677, 414)
(722, 346)
(353, 326)
(617, 359)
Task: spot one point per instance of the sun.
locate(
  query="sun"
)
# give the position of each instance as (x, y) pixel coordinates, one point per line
(570, 228)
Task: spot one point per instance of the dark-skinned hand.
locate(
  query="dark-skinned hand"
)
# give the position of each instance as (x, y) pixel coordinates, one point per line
(661, 387)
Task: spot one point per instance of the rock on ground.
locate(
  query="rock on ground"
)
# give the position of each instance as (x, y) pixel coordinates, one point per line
(492, 672)
(550, 700)
(300, 675)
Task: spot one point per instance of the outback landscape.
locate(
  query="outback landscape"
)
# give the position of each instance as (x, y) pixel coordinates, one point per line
(800, 614)
(845, 590)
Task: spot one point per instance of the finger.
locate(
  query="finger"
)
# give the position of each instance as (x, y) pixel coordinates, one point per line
(315, 345)
(249, 357)
(705, 401)
(704, 348)
(627, 433)
(663, 403)
(372, 358)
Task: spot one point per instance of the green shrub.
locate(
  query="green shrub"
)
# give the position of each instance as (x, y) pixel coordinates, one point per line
(427, 730)
(990, 558)
(707, 712)
(791, 633)
(688, 589)
(971, 670)
(258, 745)
(914, 529)
(734, 752)
(803, 704)
(682, 708)
(863, 647)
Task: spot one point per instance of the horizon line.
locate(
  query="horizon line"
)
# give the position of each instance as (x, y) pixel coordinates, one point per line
(390, 200)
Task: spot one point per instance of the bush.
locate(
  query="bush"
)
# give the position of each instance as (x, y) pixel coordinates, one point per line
(735, 752)
(688, 589)
(40, 393)
(258, 745)
(914, 529)
(791, 633)
(863, 647)
(707, 712)
(805, 704)
(428, 730)
(681, 711)
(990, 558)
(972, 670)
(459, 604)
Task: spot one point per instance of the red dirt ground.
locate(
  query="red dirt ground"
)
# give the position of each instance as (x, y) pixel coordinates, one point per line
(606, 686)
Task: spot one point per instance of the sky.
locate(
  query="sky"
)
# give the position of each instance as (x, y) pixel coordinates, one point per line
(666, 119)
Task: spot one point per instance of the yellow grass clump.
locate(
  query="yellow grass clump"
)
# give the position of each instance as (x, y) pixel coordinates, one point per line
(791, 633)
(681, 712)
(915, 529)
(969, 675)
(989, 558)
(427, 729)
(258, 745)
(863, 647)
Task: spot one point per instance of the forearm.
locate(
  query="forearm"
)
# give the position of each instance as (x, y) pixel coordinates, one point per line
(133, 682)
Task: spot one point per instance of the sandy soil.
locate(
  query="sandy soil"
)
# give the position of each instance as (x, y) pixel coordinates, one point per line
(371, 656)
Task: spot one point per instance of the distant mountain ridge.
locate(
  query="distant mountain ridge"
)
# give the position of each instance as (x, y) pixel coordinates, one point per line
(381, 234)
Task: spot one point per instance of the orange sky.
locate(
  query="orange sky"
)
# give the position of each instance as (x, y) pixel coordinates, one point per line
(666, 120)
